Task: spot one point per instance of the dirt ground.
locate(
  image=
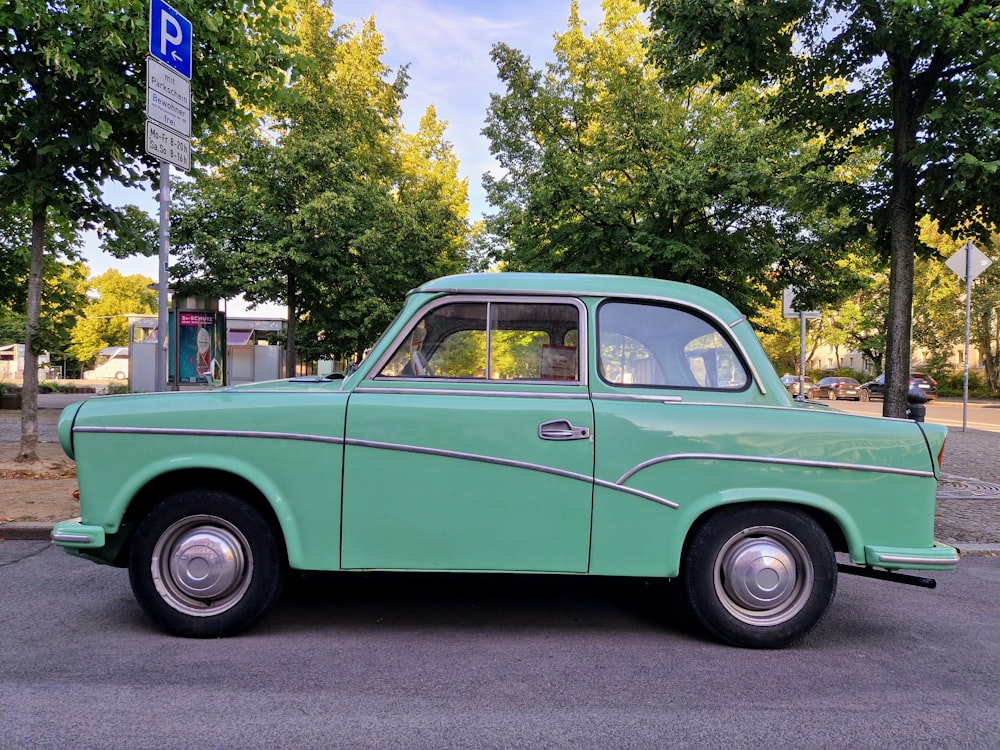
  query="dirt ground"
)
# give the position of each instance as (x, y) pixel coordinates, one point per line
(41, 491)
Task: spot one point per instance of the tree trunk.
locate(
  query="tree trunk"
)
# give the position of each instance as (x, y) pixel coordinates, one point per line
(984, 336)
(29, 389)
(291, 358)
(903, 244)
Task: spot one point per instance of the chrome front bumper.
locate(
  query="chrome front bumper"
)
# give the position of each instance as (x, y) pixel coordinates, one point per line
(76, 535)
(939, 557)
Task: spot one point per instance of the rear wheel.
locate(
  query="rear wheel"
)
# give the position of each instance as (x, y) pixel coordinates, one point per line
(205, 564)
(760, 577)
(864, 395)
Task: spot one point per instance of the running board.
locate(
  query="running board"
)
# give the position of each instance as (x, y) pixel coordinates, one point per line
(887, 575)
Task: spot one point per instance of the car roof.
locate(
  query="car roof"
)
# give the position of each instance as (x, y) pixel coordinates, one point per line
(582, 284)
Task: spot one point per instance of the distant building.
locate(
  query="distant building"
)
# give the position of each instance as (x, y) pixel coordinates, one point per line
(12, 363)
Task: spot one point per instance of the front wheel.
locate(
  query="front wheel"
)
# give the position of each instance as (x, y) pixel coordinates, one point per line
(864, 395)
(760, 577)
(205, 564)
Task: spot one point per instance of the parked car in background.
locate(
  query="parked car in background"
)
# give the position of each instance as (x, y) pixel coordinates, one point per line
(791, 382)
(875, 389)
(111, 364)
(512, 423)
(837, 387)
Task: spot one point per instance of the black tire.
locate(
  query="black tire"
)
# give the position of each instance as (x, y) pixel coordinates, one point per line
(794, 575)
(832, 395)
(231, 573)
(864, 395)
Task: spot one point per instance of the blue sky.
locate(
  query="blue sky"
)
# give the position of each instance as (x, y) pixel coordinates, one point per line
(447, 47)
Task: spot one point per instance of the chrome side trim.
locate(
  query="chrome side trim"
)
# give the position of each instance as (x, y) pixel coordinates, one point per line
(674, 399)
(649, 398)
(770, 460)
(637, 493)
(934, 562)
(211, 433)
(619, 485)
(515, 464)
(469, 392)
(469, 457)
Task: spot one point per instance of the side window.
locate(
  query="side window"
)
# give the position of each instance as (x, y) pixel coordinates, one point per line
(491, 341)
(656, 345)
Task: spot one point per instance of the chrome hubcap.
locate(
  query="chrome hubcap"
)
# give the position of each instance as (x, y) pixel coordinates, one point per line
(763, 576)
(206, 562)
(202, 565)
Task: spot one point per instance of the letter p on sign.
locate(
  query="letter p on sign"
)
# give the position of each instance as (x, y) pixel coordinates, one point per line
(170, 37)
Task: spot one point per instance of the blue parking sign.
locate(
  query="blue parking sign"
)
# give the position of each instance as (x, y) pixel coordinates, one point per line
(170, 37)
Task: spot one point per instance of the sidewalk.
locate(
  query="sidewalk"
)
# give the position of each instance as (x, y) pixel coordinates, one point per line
(968, 507)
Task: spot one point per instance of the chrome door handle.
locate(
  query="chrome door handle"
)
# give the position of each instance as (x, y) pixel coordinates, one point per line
(562, 429)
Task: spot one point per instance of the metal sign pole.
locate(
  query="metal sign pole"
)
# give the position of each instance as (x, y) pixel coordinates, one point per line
(968, 267)
(802, 355)
(968, 331)
(163, 337)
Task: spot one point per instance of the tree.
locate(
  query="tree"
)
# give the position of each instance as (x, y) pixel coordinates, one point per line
(916, 80)
(104, 322)
(71, 105)
(943, 313)
(326, 206)
(601, 172)
(62, 280)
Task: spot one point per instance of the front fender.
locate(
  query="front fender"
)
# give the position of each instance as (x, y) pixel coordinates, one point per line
(160, 470)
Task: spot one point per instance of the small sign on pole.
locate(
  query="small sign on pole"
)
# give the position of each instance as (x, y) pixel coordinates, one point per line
(168, 134)
(170, 37)
(788, 310)
(967, 263)
(168, 98)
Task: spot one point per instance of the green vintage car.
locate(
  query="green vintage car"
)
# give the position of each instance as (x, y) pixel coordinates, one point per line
(577, 424)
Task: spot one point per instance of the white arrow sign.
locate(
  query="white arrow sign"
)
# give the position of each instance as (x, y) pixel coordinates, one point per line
(976, 261)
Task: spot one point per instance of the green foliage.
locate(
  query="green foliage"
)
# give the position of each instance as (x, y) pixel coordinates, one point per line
(603, 173)
(72, 114)
(104, 321)
(916, 83)
(325, 205)
(940, 303)
(72, 90)
(62, 279)
(952, 384)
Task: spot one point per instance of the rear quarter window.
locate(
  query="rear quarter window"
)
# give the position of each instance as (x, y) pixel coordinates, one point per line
(643, 344)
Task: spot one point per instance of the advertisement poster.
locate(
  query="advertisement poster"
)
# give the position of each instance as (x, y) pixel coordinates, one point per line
(201, 338)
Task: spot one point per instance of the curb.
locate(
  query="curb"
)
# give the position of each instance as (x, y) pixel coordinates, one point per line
(41, 531)
(31, 531)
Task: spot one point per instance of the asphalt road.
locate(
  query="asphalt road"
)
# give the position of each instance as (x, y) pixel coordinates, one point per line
(390, 661)
(981, 415)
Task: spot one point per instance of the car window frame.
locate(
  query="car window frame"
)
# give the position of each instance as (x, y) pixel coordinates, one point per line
(422, 312)
(714, 323)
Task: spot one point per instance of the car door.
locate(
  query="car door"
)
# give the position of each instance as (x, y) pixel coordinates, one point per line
(668, 386)
(469, 445)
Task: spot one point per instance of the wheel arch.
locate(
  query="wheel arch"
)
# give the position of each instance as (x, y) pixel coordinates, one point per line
(836, 524)
(161, 485)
